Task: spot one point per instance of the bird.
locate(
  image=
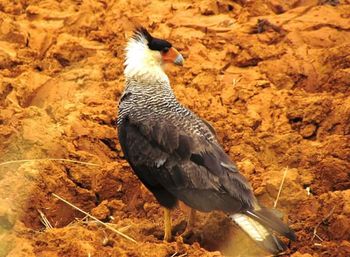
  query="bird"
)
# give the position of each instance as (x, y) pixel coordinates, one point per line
(176, 154)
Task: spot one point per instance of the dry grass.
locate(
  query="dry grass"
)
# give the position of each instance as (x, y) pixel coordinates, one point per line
(181, 255)
(49, 159)
(95, 219)
(281, 186)
(44, 220)
(322, 221)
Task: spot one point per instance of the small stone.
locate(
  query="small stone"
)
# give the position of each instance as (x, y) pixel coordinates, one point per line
(340, 227)
(308, 130)
(7, 216)
(298, 254)
(209, 8)
(117, 205)
(101, 212)
(246, 167)
(228, 95)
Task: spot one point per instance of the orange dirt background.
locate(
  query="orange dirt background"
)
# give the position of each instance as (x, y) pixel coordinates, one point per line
(277, 92)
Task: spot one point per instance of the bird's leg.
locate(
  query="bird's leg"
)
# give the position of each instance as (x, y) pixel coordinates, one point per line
(167, 224)
(190, 224)
(191, 219)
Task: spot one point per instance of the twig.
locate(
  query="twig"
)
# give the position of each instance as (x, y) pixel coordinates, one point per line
(123, 229)
(236, 81)
(44, 220)
(280, 189)
(323, 220)
(275, 255)
(316, 235)
(49, 159)
(97, 220)
(263, 24)
(85, 220)
(175, 255)
(105, 240)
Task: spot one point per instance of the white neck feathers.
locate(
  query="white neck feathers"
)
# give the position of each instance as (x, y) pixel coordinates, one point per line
(141, 63)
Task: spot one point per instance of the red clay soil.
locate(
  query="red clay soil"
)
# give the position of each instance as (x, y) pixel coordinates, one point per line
(272, 77)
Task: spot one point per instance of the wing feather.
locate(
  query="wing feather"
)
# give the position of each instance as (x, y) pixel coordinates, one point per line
(187, 164)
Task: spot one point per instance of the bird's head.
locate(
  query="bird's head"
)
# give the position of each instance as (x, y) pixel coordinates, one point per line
(146, 56)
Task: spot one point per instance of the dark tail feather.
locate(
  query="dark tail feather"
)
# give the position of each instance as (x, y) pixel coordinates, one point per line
(269, 219)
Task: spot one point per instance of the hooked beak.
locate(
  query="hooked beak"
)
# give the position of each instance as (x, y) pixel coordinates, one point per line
(173, 56)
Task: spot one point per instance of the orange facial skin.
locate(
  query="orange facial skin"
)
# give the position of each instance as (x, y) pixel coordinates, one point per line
(173, 56)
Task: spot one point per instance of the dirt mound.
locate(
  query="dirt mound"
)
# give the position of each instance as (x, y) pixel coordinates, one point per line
(271, 76)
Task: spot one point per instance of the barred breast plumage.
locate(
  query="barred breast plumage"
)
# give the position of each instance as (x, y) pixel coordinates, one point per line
(155, 100)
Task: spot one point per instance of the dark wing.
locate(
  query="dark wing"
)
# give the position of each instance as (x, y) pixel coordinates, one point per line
(186, 164)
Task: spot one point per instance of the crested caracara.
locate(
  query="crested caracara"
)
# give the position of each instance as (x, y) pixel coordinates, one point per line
(175, 153)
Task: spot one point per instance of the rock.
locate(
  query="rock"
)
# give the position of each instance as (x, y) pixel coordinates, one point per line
(298, 254)
(101, 212)
(246, 167)
(11, 31)
(209, 7)
(116, 205)
(308, 130)
(7, 216)
(228, 94)
(340, 227)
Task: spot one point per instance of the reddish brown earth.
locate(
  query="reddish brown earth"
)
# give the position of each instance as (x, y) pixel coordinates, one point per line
(276, 90)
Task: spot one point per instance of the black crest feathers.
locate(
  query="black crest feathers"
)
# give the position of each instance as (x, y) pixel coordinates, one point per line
(152, 42)
(142, 32)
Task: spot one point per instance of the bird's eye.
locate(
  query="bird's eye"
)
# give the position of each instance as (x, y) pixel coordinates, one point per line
(165, 50)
